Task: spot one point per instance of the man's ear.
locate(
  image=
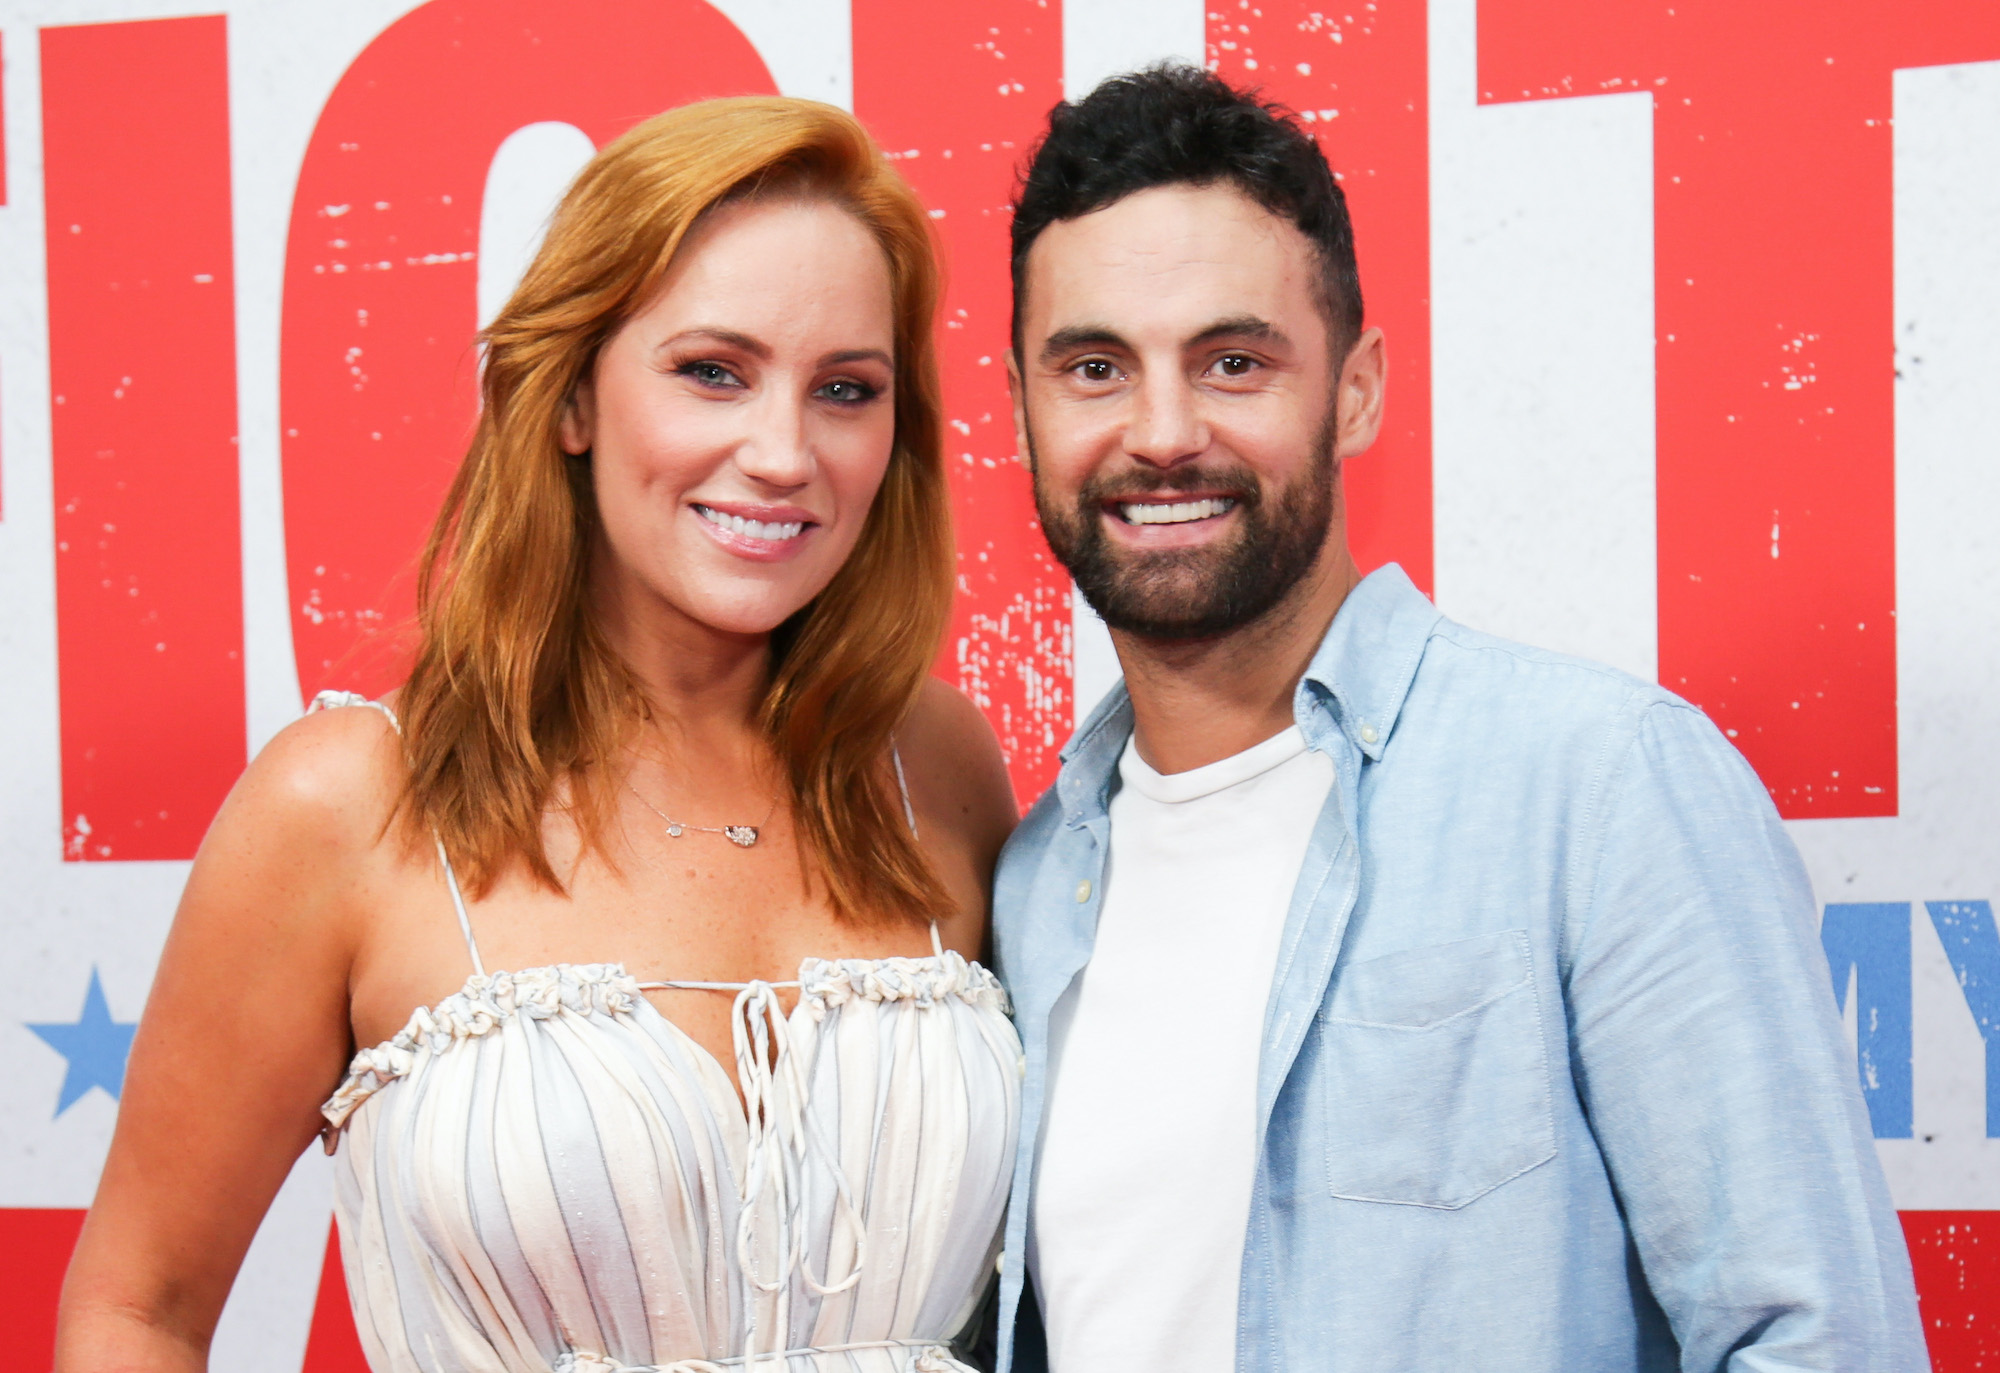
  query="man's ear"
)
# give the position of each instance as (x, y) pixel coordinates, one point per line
(1024, 452)
(579, 419)
(1364, 379)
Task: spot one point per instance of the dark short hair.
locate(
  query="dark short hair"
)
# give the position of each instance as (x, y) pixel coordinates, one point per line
(1174, 125)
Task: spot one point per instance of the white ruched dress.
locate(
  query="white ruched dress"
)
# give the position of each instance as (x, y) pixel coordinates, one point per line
(543, 1174)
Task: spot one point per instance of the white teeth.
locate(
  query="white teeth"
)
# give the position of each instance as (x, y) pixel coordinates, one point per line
(1180, 513)
(772, 532)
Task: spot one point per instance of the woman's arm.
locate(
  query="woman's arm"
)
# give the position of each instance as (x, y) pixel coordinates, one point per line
(964, 802)
(245, 1033)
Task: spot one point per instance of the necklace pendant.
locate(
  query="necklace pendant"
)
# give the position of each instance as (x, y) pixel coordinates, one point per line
(675, 831)
(743, 836)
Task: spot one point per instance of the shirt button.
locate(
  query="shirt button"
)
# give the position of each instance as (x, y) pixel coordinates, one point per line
(1368, 734)
(1083, 891)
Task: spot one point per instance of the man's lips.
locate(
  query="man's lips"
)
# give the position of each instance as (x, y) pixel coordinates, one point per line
(1186, 511)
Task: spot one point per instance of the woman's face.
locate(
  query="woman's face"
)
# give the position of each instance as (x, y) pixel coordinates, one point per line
(740, 424)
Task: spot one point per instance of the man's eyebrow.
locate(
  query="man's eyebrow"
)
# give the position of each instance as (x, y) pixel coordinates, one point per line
(1243, 327)
(1080, 336)
(754, 347)
(1101, 336)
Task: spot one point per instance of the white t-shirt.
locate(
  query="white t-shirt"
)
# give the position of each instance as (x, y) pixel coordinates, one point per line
(1148, 1149)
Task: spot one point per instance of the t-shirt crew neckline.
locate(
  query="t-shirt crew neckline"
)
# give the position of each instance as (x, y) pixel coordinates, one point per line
(1174, 787)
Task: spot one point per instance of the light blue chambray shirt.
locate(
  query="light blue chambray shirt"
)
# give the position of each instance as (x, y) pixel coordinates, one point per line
(1551, 1075)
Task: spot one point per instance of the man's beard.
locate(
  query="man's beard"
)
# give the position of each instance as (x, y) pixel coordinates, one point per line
(1195, 593)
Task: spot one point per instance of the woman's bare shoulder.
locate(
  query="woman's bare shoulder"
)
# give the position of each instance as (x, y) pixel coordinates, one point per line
(957, 773)
(330, 779)
(303, 837)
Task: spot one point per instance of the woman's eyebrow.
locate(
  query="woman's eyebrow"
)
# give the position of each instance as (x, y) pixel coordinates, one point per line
(735, 339)
(857, 355)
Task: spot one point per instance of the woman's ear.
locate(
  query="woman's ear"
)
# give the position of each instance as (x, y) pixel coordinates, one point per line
(579, 419)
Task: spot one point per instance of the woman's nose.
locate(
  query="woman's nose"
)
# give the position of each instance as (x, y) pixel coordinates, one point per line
(777, 451)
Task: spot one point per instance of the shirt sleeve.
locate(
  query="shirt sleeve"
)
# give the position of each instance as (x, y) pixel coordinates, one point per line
(1716, 1075)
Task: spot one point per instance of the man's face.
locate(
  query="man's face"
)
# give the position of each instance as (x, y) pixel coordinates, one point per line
(1176, 394)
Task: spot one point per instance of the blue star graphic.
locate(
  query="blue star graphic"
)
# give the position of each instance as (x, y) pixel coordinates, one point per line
(95, 1045)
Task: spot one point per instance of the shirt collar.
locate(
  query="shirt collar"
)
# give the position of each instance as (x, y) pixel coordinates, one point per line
(1091, 756)
(1361, 675)
(1369, 657)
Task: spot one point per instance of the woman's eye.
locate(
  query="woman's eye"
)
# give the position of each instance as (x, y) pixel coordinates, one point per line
(848, 392)
(710, 374)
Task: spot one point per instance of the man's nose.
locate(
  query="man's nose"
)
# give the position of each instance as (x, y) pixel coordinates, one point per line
(1166, 427)
(778, 450)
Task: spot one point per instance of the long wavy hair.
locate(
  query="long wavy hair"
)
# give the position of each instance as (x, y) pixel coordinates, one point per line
(517, 701)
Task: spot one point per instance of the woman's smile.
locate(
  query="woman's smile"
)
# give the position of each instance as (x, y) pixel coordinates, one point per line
(764, 534)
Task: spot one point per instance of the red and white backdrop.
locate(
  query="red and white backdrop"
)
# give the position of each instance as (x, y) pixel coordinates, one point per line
(1693, 310)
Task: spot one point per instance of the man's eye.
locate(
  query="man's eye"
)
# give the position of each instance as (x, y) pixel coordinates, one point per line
(848, 392)
(1236, 365)
(1096, 369)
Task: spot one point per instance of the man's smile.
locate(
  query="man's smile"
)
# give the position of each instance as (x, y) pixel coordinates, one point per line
(1174, 512)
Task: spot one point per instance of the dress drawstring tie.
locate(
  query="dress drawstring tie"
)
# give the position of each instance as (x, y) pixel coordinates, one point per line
(784, 1135)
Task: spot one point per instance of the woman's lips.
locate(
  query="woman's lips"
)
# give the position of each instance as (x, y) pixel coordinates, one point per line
(766, 537)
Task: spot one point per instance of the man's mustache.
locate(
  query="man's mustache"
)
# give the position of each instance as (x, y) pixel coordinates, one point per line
(1237, 482)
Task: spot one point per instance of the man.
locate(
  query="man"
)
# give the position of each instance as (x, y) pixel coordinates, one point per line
(1393, 997)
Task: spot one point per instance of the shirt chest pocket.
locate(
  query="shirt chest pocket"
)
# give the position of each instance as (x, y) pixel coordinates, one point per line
(1435, 1074)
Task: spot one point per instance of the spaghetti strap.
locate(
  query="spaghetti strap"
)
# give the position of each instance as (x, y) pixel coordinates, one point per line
(458, 904)
(903, 785)
(329, 700)
(910, 816)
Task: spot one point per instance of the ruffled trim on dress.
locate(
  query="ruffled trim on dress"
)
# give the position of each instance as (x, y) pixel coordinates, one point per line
(489, 999)
(479, 1008)
(825, 983)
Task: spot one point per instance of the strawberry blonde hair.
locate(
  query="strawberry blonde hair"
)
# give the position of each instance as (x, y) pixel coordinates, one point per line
(517, 702)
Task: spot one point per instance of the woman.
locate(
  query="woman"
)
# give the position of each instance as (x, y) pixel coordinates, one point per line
(669, 714)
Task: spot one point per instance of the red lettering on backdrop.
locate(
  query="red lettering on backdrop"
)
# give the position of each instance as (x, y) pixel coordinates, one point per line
(142, 369)
(1956, 1256)
(332, 1344)
(379, 370)
(35, 1246)
(1360, 82)
(1773, 302)
(960, 92)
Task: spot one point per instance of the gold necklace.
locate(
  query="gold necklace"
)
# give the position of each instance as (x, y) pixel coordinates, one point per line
(743, 836)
